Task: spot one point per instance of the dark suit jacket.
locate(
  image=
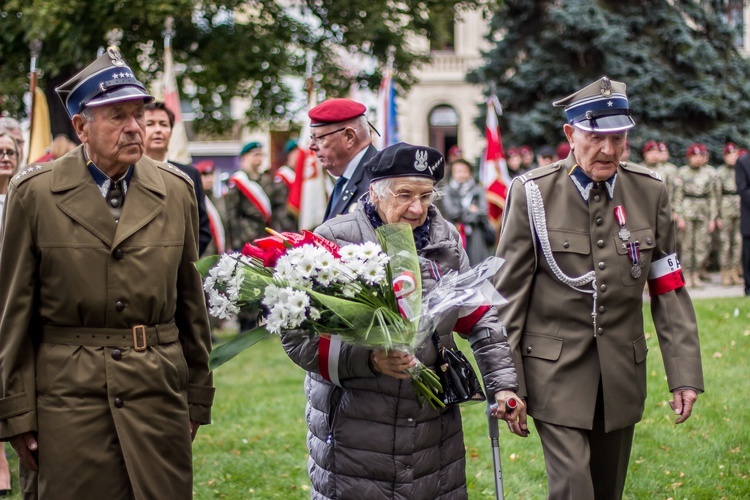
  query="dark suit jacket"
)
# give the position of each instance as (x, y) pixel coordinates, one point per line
(204, 228)
(355, 188)
(742, 176)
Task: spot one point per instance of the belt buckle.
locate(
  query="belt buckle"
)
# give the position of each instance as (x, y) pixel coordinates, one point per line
(139, 338)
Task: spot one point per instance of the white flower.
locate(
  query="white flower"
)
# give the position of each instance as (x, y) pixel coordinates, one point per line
(314, 313)
(373, 272)
(275, 320)
(348, 252)
(226, 266)
(350, 290)
(370, 249)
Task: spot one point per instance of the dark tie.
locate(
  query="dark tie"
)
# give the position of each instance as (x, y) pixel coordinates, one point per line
(336, 194)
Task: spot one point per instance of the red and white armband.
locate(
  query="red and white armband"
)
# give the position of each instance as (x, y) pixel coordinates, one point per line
(665, 275)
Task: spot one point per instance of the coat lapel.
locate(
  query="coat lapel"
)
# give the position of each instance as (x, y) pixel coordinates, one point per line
(354, 189)
(80, 198)
(144, 200)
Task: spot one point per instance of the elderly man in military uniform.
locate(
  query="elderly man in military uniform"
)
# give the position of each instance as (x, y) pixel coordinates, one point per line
(342, 143)
(580, 239)
(728, 225)
(104, 335)
(697, 211)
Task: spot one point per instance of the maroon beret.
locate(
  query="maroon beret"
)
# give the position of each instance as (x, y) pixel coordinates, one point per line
(696, 149)
(730, 147)
(205, 166)
(563, 150)
(511, 151)
(663, 146)
(650, 146)
(525, 150)
(334, 111)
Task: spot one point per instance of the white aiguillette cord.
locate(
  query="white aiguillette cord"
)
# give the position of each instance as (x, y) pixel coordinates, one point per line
(538, 219)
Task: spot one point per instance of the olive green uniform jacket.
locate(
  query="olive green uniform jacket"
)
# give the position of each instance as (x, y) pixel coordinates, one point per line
(111, 422)
(561, 352)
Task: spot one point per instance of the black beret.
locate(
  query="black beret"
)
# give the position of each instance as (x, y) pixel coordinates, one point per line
(405, 160)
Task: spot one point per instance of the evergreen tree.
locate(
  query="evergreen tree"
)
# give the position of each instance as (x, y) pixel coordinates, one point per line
(686, 80)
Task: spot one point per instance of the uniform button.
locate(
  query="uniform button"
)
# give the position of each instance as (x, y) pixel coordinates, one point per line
(408, 467)
(118, 403)
(118, 254)
(602, 266)
(528, 349)
(600, 243)
(120, 306)
(117, 355)
(410, 420)
(599, 221)
(600, 331)
(649, 241)
(597, 197)
(603, 288)
(602, 309)
(566, 245)
(115, 202)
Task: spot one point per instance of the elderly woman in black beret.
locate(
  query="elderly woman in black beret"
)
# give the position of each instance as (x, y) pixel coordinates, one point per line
(369, 437)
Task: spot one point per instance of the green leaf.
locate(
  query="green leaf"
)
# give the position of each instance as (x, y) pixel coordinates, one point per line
(231, 348)
(206, 263)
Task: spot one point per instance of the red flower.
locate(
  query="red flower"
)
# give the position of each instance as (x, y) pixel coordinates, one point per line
(267, 251)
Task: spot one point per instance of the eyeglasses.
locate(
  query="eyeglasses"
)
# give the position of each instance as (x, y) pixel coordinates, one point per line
(315, 139)
(7, 152)
(407, 198)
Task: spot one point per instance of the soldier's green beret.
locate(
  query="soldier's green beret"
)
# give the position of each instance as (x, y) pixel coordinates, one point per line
(599, 107)
(249, 147)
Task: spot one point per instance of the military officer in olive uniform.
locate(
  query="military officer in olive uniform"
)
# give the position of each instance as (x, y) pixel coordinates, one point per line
(730, 240)
(580, 239)
(104, 336)
(652, 158)
(697, 211)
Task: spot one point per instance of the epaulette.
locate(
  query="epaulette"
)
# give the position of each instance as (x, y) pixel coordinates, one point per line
(640, 169)
(31, 171)
(176, 171)
(540, 172)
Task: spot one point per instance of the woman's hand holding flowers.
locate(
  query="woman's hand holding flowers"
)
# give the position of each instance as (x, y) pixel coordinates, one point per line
(393, 363)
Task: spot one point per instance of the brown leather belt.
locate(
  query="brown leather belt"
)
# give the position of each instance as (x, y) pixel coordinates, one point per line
(139, 337)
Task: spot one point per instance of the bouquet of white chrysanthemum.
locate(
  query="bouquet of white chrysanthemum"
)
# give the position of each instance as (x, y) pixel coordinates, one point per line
(355, 292)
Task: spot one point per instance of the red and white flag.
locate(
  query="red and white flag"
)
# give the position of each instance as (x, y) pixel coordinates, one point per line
(494, 170)
(178, 143)
(308, 194)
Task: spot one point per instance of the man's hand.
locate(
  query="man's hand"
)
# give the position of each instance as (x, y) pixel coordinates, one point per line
(193, 429)
(393, 363)
(514, 414)
(25, 445)
(684, 399)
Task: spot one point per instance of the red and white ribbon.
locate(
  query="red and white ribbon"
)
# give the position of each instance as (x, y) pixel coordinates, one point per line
(329, 351)
(620, 215)
(216, 225)
(253, 192)
(665, 275)
(403, 286)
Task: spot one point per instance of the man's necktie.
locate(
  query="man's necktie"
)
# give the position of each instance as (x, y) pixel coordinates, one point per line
(336, 194)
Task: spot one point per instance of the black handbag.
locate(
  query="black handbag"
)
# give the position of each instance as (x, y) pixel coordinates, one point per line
(460, 383)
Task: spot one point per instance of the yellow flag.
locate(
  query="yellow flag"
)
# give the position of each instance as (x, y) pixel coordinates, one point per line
(40, 134)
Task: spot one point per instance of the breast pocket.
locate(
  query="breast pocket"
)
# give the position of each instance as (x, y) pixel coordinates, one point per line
(571, 250)
(629, 274)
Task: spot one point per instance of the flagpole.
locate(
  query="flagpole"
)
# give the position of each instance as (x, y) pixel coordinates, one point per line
(36, 48)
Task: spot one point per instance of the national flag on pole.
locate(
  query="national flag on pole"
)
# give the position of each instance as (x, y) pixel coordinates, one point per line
(494, 171)
(308, 194)
(387, 110)
(40, 133)
(178, 143)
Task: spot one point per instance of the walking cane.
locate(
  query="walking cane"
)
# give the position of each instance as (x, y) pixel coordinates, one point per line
(495, 442)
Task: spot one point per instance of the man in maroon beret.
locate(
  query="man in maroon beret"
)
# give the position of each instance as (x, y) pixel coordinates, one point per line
(340, 137)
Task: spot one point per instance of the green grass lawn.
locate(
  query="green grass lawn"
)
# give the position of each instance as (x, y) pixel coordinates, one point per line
(256, 445)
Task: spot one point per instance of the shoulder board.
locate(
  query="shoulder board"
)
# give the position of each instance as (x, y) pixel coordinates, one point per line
(175, 171)
(540, 172)
(31, 171)
(640, 169)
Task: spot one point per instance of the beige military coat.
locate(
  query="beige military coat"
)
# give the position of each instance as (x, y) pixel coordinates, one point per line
(561, 351)
(111, 422)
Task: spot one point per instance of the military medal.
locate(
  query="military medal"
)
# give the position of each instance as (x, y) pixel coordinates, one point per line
(634, 252)
(624, 234)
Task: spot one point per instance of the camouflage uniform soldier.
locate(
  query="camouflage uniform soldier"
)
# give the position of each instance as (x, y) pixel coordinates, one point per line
(252, 203)
(697, 211)
(729, 218)
(653, 158)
